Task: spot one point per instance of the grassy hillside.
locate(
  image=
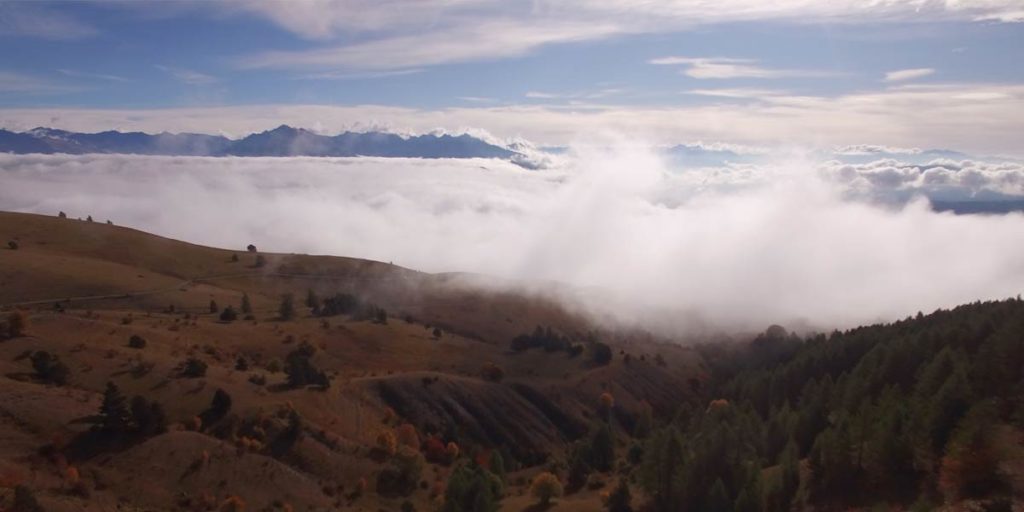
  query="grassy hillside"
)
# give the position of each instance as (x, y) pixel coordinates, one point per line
(424, 359)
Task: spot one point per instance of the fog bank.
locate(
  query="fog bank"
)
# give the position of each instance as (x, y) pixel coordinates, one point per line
(741, 246)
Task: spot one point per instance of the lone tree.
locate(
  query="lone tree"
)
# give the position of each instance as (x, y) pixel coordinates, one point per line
(62, 215)
(113, 417)
(312, 300)
(287, 308)
(546, 486)
(89, 218)
(246, 304)
(251, 248)
(220, 406)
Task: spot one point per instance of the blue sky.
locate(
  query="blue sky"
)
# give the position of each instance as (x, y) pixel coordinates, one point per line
(528, 68)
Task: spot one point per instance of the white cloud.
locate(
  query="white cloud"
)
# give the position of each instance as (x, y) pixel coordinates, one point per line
(908, 74)
(188, 76)
(979, 118)
(786, 247)
(725, 67)
(31, 19)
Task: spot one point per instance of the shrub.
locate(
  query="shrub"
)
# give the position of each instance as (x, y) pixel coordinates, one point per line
(387, 442)
(213, 306)
(137, 341)
(62, 215)
(340, 304)
(274, 365)
(472, 488)
(49, 368)
(193, 368)
(600, 353)
(24, 500)
(17, 322)
(620, 499)
(241, 364)
(260, 261)
(258, 379)
(407, 436)
(229, 314)
(301, 370)
(492, 372)
(12, 245)
(251, 248)
(546, 486)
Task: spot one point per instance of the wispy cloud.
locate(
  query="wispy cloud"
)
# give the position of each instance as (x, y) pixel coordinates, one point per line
(13, 82)
(358, 75)
(908, 74)
(393, 34)
(188, 76)
(739, 92)
(727, 67)
(31, 19)
(92, 76)
(463, 43)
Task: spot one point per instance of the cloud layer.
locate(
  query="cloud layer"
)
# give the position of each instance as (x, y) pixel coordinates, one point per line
(779, 242)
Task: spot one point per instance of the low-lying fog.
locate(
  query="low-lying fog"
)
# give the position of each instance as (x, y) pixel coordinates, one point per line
(743, 246)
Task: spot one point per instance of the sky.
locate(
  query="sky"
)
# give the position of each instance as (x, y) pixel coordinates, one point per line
(912, 73)
(727, 163)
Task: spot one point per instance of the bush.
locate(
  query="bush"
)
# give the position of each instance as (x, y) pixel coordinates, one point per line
(15, 325)
(340, 304)
(24, 500)
(213, 306)
(301, 370)
(193, 368)
(258, 379)
(137, 341)
(546, 486)
(229, 314)
(274, 365)
(49, 368)
(12, 245)
(251, 248)
(600, 353)
(492, 372)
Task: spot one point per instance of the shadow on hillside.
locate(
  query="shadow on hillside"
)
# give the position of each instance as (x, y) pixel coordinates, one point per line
(539, 507)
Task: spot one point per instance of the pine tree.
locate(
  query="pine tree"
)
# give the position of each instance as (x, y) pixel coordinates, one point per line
(718, 499)
(620, 499)
(114, 415)
(287, 308)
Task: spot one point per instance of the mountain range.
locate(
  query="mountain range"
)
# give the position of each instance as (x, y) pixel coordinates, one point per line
(281, 141)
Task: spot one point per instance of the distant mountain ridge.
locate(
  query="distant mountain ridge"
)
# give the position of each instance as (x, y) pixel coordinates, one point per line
(281, 141)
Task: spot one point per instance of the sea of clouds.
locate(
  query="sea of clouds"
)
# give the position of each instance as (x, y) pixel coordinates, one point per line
(791, 240)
